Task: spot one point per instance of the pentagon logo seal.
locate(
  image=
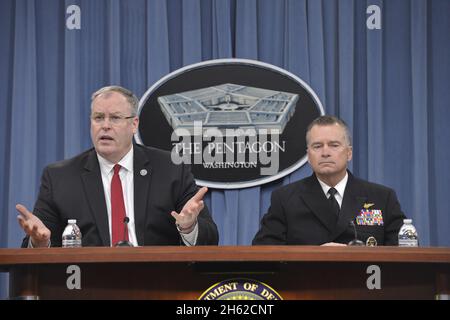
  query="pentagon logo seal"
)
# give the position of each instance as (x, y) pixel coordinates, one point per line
(239, 123)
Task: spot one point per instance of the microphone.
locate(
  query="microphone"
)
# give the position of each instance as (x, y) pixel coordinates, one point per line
(124, 242)
(355, 241)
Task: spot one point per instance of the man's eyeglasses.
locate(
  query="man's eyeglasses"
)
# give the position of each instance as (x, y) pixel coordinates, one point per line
(114, 119)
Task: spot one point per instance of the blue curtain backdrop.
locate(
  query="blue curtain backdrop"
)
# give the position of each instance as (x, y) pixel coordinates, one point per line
(392, 86)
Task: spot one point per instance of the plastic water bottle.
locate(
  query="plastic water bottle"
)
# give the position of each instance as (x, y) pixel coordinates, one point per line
(71, 237)
(407, 236)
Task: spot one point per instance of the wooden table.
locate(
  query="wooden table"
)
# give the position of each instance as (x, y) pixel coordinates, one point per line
(168, 272)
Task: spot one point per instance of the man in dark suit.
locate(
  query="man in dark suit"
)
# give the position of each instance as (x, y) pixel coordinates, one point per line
(324, 208)
(118, 179)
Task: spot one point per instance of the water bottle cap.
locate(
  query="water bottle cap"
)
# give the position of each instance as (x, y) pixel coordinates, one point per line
(72, 221)
(407, 220)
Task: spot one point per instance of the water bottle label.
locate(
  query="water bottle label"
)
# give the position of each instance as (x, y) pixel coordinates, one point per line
(71, 243)
(407, 242)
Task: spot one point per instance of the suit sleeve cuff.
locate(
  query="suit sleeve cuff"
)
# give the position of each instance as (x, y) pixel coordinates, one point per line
(30, 243)
(190, 239)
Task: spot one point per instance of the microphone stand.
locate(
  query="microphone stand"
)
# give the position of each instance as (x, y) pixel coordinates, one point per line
(124, 242)
(355, 241)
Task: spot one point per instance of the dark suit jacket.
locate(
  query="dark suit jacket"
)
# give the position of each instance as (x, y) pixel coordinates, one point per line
(73, 189)
(300, 214)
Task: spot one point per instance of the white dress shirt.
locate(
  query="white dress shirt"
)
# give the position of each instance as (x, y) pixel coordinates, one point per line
(340, 188)
(126, 179)
(126, 174)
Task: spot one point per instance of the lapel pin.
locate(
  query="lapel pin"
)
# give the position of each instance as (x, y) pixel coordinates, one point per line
(143, 172)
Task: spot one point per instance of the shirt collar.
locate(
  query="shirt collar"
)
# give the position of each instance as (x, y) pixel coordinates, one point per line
(340, 187)
(126, 162)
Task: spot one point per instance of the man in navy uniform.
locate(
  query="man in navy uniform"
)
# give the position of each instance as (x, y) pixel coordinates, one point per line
(324, 208)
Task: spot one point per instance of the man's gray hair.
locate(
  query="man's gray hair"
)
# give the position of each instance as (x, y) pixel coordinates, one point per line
(130, 96)
(329, 121)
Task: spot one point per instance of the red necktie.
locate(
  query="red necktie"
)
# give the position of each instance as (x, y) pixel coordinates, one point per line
(117, 208)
